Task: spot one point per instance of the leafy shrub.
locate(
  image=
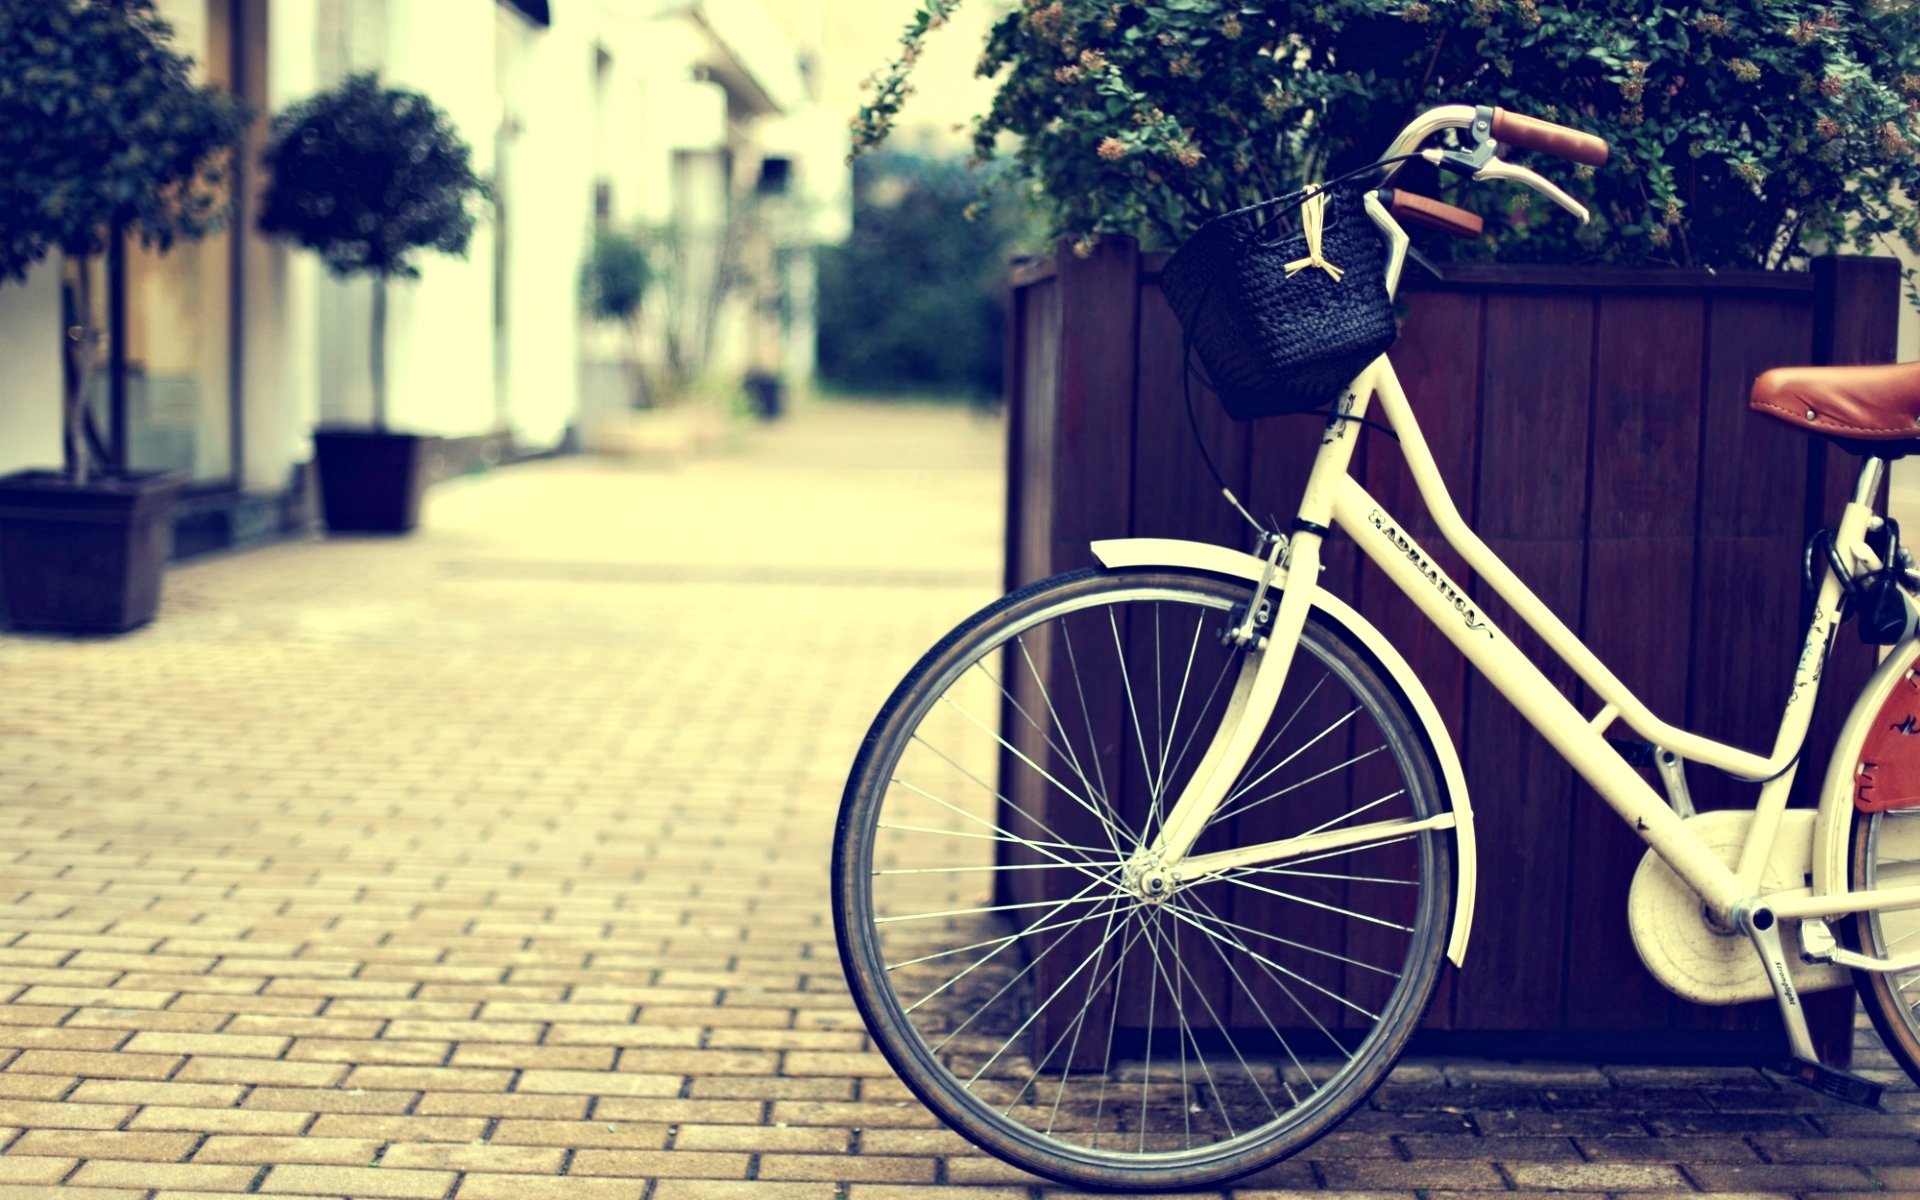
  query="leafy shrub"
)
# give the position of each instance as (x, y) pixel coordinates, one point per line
(615, 276)
(1743, 131)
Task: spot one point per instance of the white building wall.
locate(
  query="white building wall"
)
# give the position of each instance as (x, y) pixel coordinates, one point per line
(280, 323)
(547, 85)
(440, 368)
(31, 394)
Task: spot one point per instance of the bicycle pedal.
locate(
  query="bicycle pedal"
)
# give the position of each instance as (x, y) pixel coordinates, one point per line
(1831, 1081)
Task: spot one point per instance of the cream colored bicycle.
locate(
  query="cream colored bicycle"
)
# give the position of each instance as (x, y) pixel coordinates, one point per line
(1171, 955)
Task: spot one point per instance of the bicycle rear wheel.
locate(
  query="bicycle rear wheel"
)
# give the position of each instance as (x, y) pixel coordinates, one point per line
(1029, 993)
(1886, 854)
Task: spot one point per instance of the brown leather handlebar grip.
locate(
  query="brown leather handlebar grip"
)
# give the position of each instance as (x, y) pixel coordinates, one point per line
(1411, 208)
(1531, 133)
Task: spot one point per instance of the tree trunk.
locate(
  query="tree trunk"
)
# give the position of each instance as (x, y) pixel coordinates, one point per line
(380, 352)
(82, 337)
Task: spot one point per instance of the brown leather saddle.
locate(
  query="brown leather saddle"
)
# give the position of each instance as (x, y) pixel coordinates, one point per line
(1878, 404)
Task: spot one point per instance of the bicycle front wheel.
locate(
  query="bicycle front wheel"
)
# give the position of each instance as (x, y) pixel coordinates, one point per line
(1031, 990)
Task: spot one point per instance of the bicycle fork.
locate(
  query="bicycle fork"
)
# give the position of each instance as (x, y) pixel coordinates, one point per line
(1165, 861)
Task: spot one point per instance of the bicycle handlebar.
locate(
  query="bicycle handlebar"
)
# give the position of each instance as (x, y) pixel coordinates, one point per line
(1531, 133)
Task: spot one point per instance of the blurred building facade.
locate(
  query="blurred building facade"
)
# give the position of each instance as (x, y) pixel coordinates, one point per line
(691, 120)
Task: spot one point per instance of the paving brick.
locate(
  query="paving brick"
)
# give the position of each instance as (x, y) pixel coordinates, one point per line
(329, 1100)
(491, 1158)
(1358, 1174)
(764, 1137)
(335, 1028)
(912, 1141)
(189, 1176)
(701, 1189)
(125, 1021)
(1894, 1150)
(873, 1168)
(40, 1114)
(600, 1083)
(267, 1151)
(35, 1087)
(96, 1065)
(27, 1168)
(571, 1187)
(204, 1069)
(486, 1104)
(1746, 1177)
(725, 1088)
(511, 1055)
(653, 1164)
(439, 1079)
(898, 1115)
(214, 1044)
(186, 1095)
(400, 1129)
(369, 1182)
(219, 1120)
(464, 1031)
(378, 1052)
(76, 1143)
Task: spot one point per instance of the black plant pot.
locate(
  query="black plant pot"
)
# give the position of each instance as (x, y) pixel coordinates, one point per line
(84, 559)
(370, 482)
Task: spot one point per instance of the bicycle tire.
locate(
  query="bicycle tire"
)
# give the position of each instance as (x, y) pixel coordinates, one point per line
(1343, 949)
(1877, 843)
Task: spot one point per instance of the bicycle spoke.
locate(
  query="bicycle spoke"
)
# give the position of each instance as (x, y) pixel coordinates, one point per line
(1333, 908)
(1009, 839)
(1289, 942)
(999, 941)
(1311, 779)
(1042, 772)
(1133, 709)
(1093, 742)
(1278, 983)
(1047, 829)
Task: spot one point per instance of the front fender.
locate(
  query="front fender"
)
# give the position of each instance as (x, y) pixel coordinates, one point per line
(1219, 560)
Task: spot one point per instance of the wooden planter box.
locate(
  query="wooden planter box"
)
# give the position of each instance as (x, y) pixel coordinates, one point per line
(1592, 426)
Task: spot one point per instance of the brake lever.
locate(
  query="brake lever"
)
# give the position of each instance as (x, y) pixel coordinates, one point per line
(1500, 168)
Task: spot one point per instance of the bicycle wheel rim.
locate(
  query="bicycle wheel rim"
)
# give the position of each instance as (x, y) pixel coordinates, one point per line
(1886, 853)
(1178, 1118)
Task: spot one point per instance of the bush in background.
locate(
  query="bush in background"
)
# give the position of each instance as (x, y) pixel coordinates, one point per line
(1744, 131)
(915, 301)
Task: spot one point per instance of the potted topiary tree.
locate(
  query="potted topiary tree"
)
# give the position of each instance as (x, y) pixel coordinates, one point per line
(612, 284)
(103, 135)
(366, 176)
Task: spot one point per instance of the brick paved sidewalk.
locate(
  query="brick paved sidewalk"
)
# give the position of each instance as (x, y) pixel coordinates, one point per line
(491, 863)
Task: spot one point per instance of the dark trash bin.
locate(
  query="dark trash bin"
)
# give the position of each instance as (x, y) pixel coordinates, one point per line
(766, 392)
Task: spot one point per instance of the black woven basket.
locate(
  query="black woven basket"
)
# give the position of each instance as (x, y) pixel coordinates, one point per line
(1274, 344)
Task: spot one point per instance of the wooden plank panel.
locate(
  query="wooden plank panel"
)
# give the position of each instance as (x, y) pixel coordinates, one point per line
(1093, 466)
(1522, 798)
(1535, 372)
(1648, 375)
(1173, 494)
(1437, 360)
(1037, 415)
(1748, 612)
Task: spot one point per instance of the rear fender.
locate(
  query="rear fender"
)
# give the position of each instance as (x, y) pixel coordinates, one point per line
(1219, 560)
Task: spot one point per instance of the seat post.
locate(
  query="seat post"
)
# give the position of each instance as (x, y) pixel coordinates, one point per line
(1873, 469)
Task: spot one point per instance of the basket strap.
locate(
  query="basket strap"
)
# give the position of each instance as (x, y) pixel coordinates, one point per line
(1312, 221)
